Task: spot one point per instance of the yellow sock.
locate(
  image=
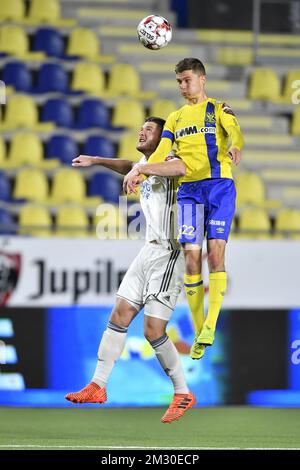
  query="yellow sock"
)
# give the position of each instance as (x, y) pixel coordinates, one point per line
(217, 289)
(194, 289)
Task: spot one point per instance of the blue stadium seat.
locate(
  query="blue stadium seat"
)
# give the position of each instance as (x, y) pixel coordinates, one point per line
(105, 185)
(99, 146)
(6, 223)
(52, 77)
(59, 111)
(62, 147)
(93, 113)
(18, 75)
(49, 40)
(4, 187)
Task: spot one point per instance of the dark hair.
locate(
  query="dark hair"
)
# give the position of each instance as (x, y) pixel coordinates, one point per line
(159, 121)
(190, 64)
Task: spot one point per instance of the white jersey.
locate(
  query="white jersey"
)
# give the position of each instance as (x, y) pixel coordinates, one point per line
(158, 202)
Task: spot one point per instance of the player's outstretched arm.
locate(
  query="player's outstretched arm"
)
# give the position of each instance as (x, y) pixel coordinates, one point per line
(174, 167)
(116, 164)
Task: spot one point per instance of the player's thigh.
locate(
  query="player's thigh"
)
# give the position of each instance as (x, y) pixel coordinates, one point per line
(133, 284)
(154, 327)
(123, 313)
(221, 207)
(191, 214)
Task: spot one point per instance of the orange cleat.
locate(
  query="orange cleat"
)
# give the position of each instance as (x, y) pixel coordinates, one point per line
(180, 404)
(91, 393)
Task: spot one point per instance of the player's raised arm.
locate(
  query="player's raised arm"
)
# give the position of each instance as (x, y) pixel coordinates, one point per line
(116, 164)
(166, 142)
(173, 167)
(231, 125)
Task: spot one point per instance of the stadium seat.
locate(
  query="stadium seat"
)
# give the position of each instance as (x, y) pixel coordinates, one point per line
(88, 77)
(83, 42)
(127, 147)
(21, 111)
(48, 11)
(12, 10)
(31, 184)
(129, 113)
(63, 147)
(68, 185)
(254, 223)
(250, 189)
(106, 185)
(287, 223)
(25, 148)
(2, 152)
(162, 108)
(109, 222)
(7, 224)
(49, 41)
(5, 187)
(295, 128)
(288, 89)
(35, 220)
(71, 221)
(52, 77)
(264, 85)
(92, 113)
(59, 111)
(17, 75)
(124, 79)
(99, 146)
(13, 40)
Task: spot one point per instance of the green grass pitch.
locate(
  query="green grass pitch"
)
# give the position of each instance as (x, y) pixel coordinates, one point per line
(111, 428)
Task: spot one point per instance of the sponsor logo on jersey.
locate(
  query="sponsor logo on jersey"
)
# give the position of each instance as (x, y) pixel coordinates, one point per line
(190, 130)
(145, 190)
(217, 222)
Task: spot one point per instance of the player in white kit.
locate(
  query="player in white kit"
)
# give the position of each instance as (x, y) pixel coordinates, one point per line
(153, 280)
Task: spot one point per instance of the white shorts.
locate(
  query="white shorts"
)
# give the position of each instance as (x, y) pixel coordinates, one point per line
(155, 274)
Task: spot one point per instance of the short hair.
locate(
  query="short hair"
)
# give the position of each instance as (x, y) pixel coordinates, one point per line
(190, 63)
(159, 121)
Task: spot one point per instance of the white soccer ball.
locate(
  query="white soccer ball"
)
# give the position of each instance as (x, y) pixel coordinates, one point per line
(154, 32)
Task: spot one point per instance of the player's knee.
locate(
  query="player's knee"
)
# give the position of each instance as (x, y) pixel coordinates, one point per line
(215, 261)
(153, 332)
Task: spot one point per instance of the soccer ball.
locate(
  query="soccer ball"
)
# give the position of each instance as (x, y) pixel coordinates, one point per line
(154, 32)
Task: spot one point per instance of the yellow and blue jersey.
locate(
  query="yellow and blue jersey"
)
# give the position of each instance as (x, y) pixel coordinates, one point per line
(202, 133)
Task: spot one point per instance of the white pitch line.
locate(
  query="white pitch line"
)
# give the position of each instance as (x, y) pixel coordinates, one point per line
(143, 447)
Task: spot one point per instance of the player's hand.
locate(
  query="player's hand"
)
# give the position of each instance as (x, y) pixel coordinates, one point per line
(83, 160)
(131, 180)
(235, 155)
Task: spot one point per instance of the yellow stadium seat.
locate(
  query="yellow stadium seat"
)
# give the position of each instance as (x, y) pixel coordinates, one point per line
(288, 223)
(31, 184)
(235, 56)
(295, 129)
(71, 221)
(13, 40)
(21, 111)
(124, 79)
(162, 108)
(109, 222)
(83, 42)
(12, 10)
(264, 85)
(25, 148)
(128, 113)
(250, 189)
(48, 11)
(88, 77)
(34, 220)
(288, 89)
(127, 147)
(254, 223)
(68, 185)
(2, 152)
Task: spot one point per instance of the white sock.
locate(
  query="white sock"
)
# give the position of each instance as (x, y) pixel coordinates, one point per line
(110, 349)
(169, 359)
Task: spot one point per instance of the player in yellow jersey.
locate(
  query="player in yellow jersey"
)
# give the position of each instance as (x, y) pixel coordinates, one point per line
(209, 140)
